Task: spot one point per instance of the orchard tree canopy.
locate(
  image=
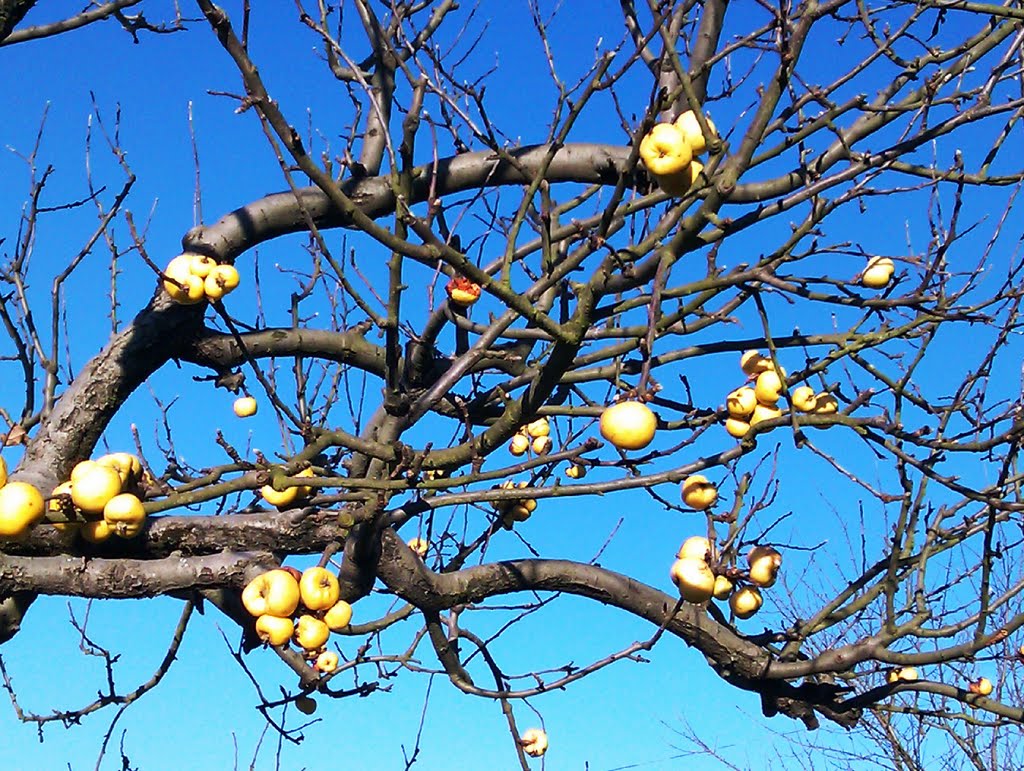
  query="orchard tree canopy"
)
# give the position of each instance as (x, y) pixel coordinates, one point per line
(501, 356)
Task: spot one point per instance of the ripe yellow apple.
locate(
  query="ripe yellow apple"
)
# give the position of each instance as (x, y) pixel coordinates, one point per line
(723, 588)
(741, 402)
(764, 564)
(688, 125)
(96, 531)
(825, 404)
(92, 485)
(326, 662)
(905, 674)
(128, 466)
(878, 272)
(695, 547)
(753, 363)
(184, 286)
(665, 150)
(746, 602)
(693, 578)
(679, 184)
(534, 742)
(462, 291)
(311, 633)
(276, 630)
(982, 686)
(539, 427)
(737, 428)
(339, 616)
(419, 545)
(21, 506)
(318, 588)
(125, 515)
(541, 445)
(275, 592)
(576, 471)
(280, 498)
(221, 280)
(803, 398)
(628, 425)
(768, 387)
(764, 412)
(519, 445)
(60, 503)
(305, 705)
(201, 265)
(3, 471)
(698, 492)
(245, 406)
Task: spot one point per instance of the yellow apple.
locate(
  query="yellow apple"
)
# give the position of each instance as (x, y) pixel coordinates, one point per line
(96, 531)
(576, 471)
(878, 272)
(693, 578)
(737, 428)
(245, 406)
(280, 498)
(21, 506)
(201, 265)
(318, 588)
(92, 485)
(753, 363)
(764, 412)
(679, 184)
(181, 283)
(326, 662)
(534, 742)
(275, 592)
(222, 280)
(723, 588)
(803, 398)
(125, 515)
(825, 404)
(695, 547)
(764, 564)
(128, 466)
(746, 602)
(275, 630)
(541, 445)
(339, 616)
(311, 633)
(519, 445)
(904, 674)
(741, 402)
(698, 492)
(665, 150)
(539, 427)
(60, 503)
(982, 686)
(461, 291)
(628, 425)
(690, 128)
(3, 472)
(768, 387)
(419, 545)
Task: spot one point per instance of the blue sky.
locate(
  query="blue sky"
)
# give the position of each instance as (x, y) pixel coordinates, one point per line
(626, 716)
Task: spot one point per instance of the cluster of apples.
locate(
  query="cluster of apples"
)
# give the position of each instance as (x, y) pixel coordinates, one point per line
(21, 506)
(517, 509)
(291, 496)
(103, 498)
(668, 152)
(192, 278)
(698, 583)
(878, 272)
(535, 436)
(748, 406)
(534, 742)
(304, 607)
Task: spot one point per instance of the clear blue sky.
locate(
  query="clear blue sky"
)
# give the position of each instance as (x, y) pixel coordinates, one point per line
(203, 715)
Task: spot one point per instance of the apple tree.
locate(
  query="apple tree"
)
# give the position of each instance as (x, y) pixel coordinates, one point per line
(749, 276)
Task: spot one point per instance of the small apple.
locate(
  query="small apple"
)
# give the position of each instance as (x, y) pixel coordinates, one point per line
(311, 633)
(764, 412)
(534, 742)
(541, 445)
(318, 588)
(305, 705)
(764, 564)
(21, 507)
(245, 406)
(92, 485)
(982, 686)
(803, 398)
(723, 588)
(60, 503)
(201, 264)
(326, 662)
(128, 466)
(679, 184)
(687, 123)
(698, 493)
(275, 592)
(519, 445)
(737, 428)
(3, 472)
(96, 531)
(753, 363)
(419, 545)
(628, 425)
(746, 602)
(768, 387)
(694, 579)
(695, 547)
(665, 150)
(576, 471)
(183, 286)
(275, 630)
(741, 402)
(902, 674)
(539, 427)
(125, 515)
(878, 272)
(220, 281)
(280, 498)
(339, 616)
(825, 404)
(462, 291)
